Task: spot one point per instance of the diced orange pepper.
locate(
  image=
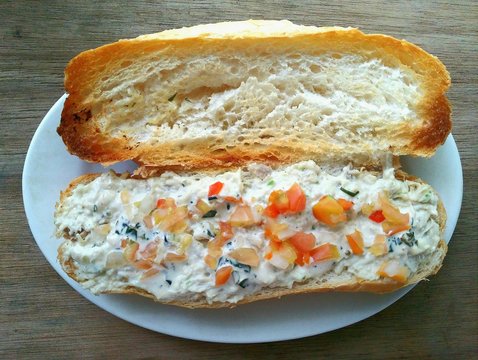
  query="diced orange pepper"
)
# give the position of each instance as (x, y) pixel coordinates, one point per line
(222, 275)
(356, 242)
(329, 211)
(346, 205)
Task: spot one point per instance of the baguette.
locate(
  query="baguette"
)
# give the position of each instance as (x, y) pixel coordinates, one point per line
(180, 238)
(227, 94)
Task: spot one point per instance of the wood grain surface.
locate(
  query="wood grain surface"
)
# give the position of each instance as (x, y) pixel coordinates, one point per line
(42, 317)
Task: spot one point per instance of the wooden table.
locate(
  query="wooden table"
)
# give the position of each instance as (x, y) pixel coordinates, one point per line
(41, 316)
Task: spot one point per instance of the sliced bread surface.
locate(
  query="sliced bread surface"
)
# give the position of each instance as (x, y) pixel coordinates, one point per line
(226, 94)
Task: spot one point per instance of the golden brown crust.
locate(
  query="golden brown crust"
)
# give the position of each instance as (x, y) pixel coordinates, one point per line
(81, 133)
(358, 285)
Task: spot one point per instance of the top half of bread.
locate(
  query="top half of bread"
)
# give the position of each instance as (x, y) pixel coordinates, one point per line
(271, 91)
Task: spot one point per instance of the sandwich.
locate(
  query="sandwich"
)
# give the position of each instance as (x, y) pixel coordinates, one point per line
(267, 160)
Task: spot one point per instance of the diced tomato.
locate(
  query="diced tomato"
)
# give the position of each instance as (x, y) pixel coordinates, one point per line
(166, 203)
(296, 198)
(303, 242)
(232, 199)
(271, 211)
(268, 255)
(367, 209)
(325, 252)
(150, 251)
(130, 250)
(222, 275)
(390, 212)
(346, 205)
(377, 216)
(225, 230)
(149, 273)
(280, 200)
(210, 261)
(242, 216)
(173, 257)
(393, 270)
(215, 189)
(276, 231)
(143, 264)
(379, 246)
(391, 229)
(203, 206)
(287, 252)
(246, 256)
(356, 242)
(329, 211)
(124, 242)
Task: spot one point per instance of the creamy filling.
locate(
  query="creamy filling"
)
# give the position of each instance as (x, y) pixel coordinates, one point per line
(110, 217)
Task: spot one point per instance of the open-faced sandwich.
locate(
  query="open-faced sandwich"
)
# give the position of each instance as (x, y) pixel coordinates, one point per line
(265, 151)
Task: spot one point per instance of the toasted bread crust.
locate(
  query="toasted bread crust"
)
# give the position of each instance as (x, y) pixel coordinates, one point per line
(311, 286)
(81, 129)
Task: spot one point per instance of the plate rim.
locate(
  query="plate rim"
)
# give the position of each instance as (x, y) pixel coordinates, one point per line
(451, 224)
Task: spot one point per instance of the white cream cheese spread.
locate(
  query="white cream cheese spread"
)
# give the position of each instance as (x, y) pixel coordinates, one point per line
(221, 237)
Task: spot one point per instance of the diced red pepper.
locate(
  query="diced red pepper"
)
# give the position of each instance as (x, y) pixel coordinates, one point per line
(215, 189)
(377, 216)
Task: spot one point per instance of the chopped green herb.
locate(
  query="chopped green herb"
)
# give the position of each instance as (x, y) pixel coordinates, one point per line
(171, 98)
(209, 214)
(95, 208)
(210, 233)
(243, 283)
(348, 192)
(409, 238)
(271, 182)
(211, 198)
(186, 99)
(313, 227)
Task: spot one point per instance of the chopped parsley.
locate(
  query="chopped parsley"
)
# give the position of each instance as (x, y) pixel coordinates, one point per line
(210, 214)
(171, 98)
(348, 192)
(271, 182)
(95, 208)
(210, 233)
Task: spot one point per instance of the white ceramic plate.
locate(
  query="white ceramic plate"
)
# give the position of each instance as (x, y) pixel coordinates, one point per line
(49, 168)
